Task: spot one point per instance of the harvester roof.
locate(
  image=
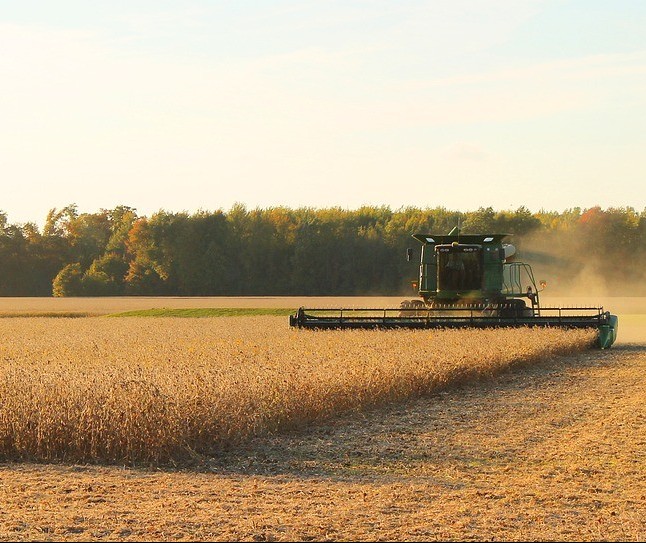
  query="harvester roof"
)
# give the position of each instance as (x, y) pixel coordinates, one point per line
(460, 238)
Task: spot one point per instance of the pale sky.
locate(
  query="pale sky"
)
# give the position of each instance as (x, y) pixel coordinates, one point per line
(189, 105)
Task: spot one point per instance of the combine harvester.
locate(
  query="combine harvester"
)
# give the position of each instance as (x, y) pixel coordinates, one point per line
(467, 281)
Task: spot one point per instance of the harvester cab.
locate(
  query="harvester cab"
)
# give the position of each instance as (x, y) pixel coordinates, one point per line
(472, 280)
(466, 270)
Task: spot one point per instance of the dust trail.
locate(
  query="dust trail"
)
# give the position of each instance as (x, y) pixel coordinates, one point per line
(574, 266)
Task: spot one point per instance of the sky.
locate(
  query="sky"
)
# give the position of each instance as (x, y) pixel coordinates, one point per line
(199, 105)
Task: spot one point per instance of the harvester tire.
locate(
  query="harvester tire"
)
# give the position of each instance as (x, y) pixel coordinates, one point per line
(513, 309)
(412, 308)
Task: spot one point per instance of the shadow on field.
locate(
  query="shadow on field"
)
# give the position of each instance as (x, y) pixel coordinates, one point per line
(631, 347)
(425, 439)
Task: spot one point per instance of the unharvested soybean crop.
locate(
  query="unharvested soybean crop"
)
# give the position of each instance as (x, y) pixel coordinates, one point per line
(155, 390)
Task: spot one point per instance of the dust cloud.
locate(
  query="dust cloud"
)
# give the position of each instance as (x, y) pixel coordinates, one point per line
(574, 267)
(581, 274)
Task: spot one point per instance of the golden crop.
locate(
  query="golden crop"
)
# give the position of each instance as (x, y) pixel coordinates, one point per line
(133, 390)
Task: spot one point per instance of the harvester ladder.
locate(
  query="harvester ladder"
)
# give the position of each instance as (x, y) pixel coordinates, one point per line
(512, 283)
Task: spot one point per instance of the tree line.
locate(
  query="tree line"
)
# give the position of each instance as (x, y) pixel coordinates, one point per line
(302, 251)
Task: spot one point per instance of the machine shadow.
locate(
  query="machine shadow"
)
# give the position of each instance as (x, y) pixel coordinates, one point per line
(630, 347)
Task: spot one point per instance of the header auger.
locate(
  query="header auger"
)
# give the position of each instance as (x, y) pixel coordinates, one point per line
(467, 281)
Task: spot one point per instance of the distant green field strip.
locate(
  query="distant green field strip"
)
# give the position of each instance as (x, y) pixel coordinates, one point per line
(206, 312)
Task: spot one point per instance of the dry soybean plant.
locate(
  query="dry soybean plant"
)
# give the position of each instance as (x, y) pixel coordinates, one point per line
(135, 390)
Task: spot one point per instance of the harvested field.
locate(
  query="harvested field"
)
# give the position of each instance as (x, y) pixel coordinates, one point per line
(135, 390)
(553, 451)
(116, 304)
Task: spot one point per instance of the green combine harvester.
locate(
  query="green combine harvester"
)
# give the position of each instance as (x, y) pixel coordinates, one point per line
(467, 281)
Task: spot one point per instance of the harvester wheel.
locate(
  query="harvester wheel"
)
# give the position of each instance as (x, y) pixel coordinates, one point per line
(412, 308)
(513, 309)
